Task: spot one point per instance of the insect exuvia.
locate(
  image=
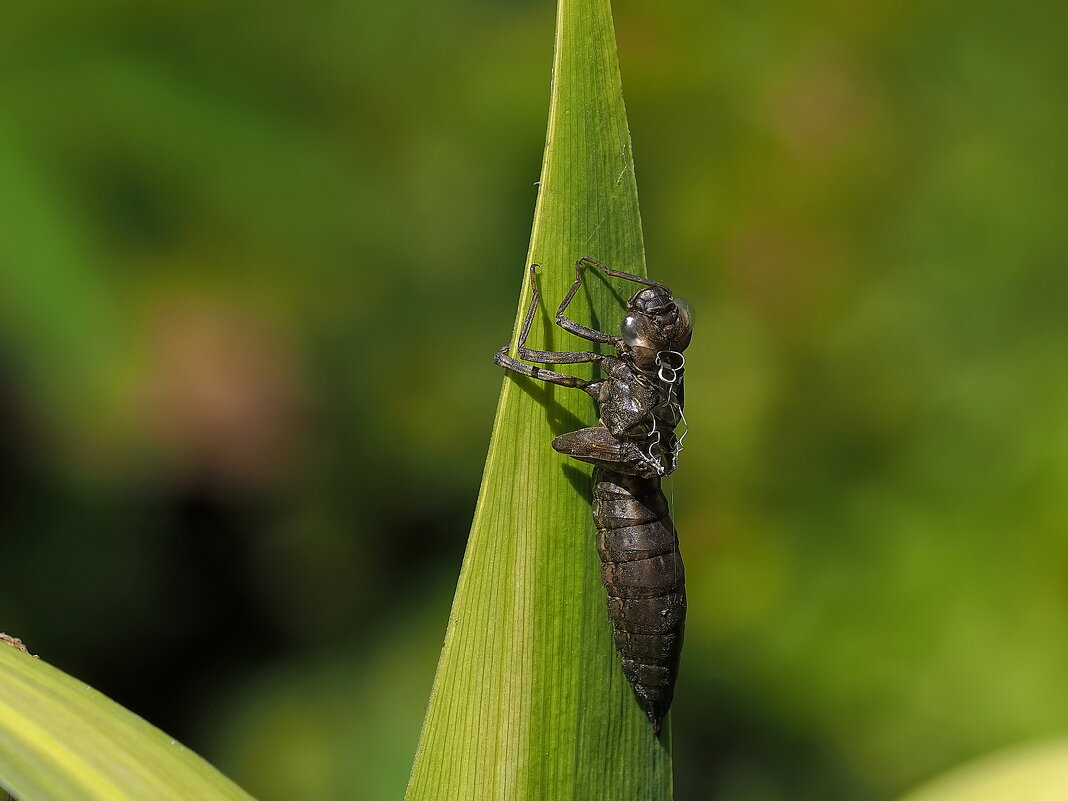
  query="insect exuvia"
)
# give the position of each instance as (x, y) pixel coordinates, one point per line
(633, 446)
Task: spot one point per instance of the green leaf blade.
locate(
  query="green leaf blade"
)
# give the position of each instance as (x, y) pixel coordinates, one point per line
(1035, 771)
(529, 701)
(62, 740)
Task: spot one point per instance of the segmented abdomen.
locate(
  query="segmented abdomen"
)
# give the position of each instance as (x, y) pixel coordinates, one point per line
(642, 571)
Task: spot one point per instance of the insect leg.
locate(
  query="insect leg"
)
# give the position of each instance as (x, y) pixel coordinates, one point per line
(508, 363)
(546, 356)
(570, 325)
(535, 296)
(617, 273)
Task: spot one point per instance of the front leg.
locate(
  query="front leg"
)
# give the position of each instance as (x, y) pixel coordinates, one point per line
(546, 356)
(617, 273)
(579, 330)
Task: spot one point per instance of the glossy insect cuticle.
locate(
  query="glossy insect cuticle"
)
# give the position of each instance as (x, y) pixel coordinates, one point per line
(641, 404)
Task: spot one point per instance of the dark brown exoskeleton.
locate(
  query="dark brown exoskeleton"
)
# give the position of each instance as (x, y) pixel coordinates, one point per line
(634, 446)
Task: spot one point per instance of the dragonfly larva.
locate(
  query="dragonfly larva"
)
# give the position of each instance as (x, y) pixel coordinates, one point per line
(632, 448)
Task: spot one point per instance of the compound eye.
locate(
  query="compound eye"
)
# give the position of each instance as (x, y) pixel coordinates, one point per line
(685, 311)
(629, 330)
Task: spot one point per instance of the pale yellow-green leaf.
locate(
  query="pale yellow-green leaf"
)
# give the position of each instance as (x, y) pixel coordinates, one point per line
(60, 740)
(1033, 772)
(529, 701)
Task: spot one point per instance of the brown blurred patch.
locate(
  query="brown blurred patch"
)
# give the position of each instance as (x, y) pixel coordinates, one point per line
(224, 394)
(820, 103)
(788, 274)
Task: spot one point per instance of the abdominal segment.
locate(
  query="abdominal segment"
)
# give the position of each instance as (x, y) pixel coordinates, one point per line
(642, 571)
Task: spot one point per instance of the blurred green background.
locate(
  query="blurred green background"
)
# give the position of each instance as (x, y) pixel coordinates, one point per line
(255, 258)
